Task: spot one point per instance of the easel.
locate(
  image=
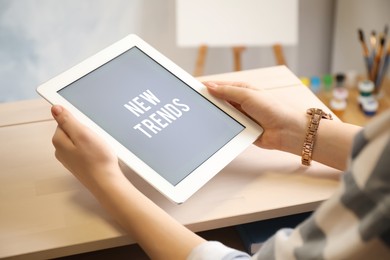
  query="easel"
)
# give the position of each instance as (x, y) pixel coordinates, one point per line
(279, 55)
(237, 53)
(200, 61)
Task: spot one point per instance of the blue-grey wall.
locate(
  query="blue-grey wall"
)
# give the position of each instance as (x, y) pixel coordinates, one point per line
(41, 38)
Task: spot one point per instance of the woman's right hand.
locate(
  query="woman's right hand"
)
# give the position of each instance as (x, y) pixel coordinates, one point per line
(284, 127)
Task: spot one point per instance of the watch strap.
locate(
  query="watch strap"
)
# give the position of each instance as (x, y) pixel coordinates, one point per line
(316, 115)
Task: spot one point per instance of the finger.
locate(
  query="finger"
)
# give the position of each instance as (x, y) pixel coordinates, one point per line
(238, 107)
(229, 93)
(232, 83)
(67, 122)
(61, 140)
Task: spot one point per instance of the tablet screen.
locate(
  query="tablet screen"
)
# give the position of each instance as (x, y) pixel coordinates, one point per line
(155, 115)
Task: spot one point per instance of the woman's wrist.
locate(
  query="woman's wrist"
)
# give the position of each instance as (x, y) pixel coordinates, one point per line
(293, 135)
(333, 140)
(102, 177)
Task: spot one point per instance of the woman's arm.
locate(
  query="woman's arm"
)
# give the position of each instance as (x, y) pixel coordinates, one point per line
(161, 236)
(96, 166)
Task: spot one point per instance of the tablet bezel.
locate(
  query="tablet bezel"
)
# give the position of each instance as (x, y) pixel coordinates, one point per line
(201, 175)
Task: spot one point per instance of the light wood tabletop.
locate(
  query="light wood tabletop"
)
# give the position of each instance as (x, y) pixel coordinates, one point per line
(46, 213)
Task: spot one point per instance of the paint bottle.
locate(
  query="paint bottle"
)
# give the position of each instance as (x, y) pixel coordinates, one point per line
(338, 103)
(367, 102)
(328, 82)
(315, 84)
(305, 81)
(340, 80)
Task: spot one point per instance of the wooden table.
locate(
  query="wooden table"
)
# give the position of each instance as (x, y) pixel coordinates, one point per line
(46, 213)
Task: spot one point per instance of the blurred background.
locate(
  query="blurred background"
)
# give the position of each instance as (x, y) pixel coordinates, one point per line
(41, 38)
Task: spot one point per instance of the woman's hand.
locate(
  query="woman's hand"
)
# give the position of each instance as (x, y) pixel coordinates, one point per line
(81, 151)
(284, 128)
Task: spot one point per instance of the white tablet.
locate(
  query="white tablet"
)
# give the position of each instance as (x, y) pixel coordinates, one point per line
(160, 120)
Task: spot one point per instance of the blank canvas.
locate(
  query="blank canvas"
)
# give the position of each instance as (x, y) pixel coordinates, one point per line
(219, 23)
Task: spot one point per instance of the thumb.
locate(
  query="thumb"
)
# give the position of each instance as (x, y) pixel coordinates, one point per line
(66, 121)
(230, 93)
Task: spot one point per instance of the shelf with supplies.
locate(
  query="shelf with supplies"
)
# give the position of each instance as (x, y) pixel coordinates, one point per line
(353, 113)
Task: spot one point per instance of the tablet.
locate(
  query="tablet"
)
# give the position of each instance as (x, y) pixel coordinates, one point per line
(160, 120)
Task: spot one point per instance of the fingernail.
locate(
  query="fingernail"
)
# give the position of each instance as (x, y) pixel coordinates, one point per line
(57, 110)
(211, 84)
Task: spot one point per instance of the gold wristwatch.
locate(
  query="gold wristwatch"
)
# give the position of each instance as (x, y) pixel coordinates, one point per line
(316, 115)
